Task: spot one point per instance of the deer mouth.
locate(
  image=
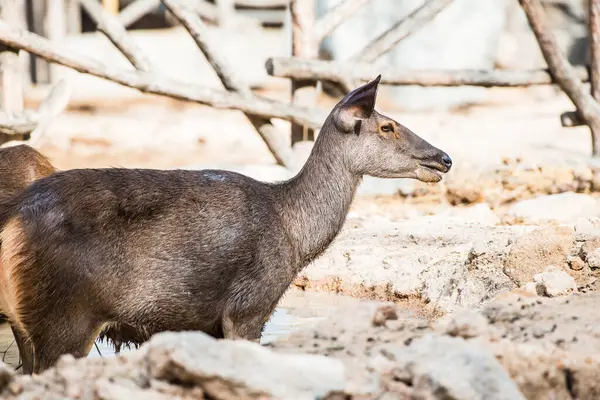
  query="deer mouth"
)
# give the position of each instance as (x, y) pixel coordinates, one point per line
(431, 171)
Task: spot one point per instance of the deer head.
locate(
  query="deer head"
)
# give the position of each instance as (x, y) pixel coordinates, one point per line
(380, 146)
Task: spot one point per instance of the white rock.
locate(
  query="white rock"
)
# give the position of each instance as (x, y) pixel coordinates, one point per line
(586, 228)
(531, 287)
(241, 369)
(593, 258)
(452, 366)
(554, 282)
(561, 208)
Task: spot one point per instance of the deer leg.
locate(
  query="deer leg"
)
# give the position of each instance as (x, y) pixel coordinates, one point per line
(245, 317)
(238, 326)
(25, 350)
(62, 336)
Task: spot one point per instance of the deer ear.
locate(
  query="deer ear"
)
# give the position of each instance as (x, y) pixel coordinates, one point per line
(355, 106)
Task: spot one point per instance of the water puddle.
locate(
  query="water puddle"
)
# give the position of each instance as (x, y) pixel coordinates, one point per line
(295, 311)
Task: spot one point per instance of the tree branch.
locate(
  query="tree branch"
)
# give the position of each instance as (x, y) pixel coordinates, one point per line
(336, 16)
(563, 72)
(200, 34)
(262, 3)
(402, 29)
(18, 125)
(136, 10)
(341, 72)
(116, 33)
(31, 126)
(53, 104)
(155, 84)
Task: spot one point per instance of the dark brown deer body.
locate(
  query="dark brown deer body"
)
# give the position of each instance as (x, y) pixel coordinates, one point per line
(187, 250)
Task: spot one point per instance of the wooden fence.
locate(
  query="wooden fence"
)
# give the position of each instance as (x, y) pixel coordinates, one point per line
(303, 68)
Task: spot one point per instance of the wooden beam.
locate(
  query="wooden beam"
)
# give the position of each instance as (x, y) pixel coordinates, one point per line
(116, 33)
(304, 45)
(336, 16)
(56, 28)
(11, 73)
(51, 107)
(226, 10)
(262, 3)
(565, 75)
(402, 29)
(594, 35)
(341, 72)
(158, 84)
(136, 10)
(199, 32)
(73, 17)
(18, 125)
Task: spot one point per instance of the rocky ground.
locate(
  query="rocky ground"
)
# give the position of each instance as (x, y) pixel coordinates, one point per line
(519, 346)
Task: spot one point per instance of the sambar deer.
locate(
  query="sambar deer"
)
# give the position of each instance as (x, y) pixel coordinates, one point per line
(20, 166)
(176, 250)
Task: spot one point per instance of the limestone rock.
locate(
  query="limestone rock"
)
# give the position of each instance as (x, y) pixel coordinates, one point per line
(561, 208)
(450, 368)
(587, 228)
(534, 251)
(241, 369)
(554, 282)
(467, 324)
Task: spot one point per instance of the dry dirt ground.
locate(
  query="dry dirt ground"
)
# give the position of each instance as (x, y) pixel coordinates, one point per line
(518, 213)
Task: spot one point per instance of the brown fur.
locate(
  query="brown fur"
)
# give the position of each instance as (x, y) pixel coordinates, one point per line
(20, 166)
(11, 261)
(208, 250)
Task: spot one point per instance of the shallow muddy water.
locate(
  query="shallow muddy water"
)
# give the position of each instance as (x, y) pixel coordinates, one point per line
(296, 310)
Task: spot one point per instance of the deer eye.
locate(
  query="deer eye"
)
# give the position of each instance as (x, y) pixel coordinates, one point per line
(387, 128)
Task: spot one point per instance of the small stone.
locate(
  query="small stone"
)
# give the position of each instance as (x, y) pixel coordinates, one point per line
(583, 173)
(6, 375)
(596, 181)
(586, 229)
(575, 263)
(593, 259)
(468, 324)
(554, 282)
(15, 388)
(531, 287)
(383, 314)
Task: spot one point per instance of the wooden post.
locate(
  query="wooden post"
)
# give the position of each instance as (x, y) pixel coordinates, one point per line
(304, 45)
(73, 17)
(112, 6)
(226, 9)
(56, 29)
(594, 34)
(41, 68)
(11, 78)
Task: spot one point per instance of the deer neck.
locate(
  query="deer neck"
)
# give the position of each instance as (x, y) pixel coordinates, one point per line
(316, 201)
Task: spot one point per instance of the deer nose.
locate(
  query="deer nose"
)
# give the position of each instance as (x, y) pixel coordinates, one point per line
(447, 161)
